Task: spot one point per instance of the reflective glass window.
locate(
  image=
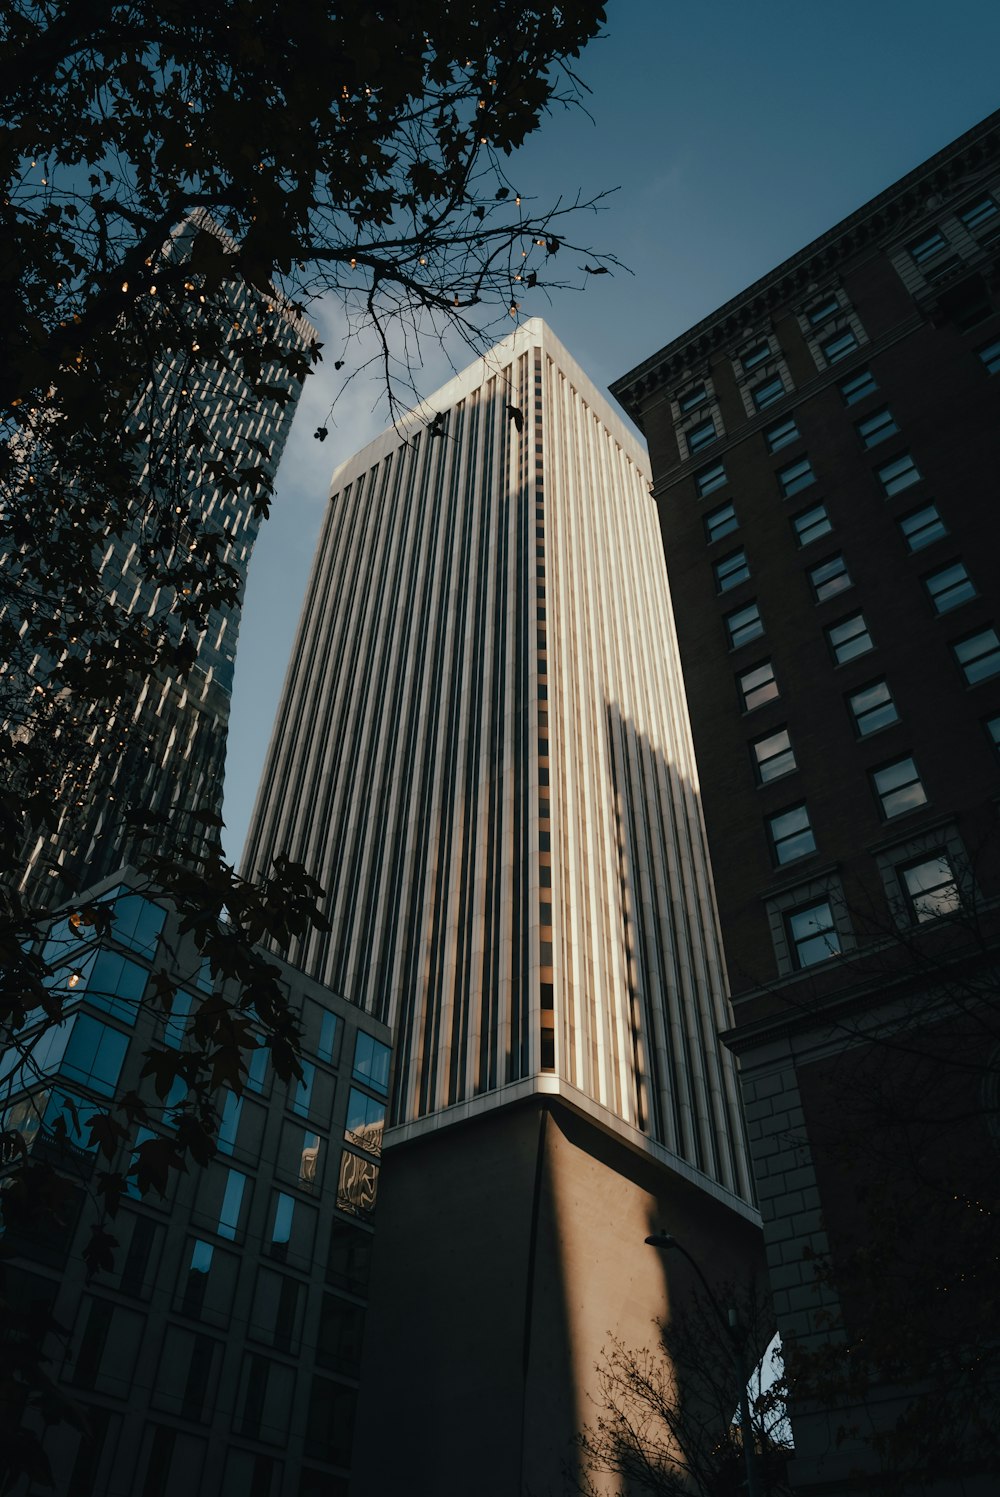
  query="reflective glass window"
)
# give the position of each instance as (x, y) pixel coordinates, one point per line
(898, 787)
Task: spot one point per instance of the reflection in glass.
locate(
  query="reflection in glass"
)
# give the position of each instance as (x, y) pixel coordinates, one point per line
(327, 1047)
(197, 1278)
(230, 1122)
(371, 1062)
(358, 1184)
(281, 1231)
(229, 1216)
(309, 1161)
(365, 1120)
(303, 1089)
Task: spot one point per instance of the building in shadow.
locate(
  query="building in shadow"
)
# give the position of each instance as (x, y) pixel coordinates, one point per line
(824, 450)
(482, 753)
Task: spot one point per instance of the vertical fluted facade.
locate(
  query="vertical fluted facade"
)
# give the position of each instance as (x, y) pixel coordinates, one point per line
(483, 754)
(208, 447)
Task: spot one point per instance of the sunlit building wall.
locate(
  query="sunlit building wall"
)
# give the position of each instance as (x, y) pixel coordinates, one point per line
(483, 754)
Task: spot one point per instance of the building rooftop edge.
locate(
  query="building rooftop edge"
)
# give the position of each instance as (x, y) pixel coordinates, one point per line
(824, 244)
(534, 332)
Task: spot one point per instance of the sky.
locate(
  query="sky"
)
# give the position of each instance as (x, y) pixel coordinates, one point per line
(734, 132)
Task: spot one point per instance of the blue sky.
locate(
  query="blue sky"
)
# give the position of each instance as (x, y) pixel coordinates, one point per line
(735, 132)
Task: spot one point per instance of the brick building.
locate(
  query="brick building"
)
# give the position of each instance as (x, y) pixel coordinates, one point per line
(824, 450)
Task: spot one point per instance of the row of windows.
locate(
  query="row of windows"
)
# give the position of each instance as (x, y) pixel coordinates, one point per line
(981, 218)
(897, 789)
(947, 587)
(977, 656)
(871, 430)
(767, 393)
(929, 889)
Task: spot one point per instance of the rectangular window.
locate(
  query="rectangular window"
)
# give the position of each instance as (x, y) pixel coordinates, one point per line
(773, 756)
(849, 638)
(872, 708)
(942, 268)
(767, 393)
(812, 936)
(757, 686)
(94, 1055)
(796, 476)
(757, 354)
(302, 1095)
(839, 346)
(721, 522)
(876, 427)
(707, 480)
(926, 248)
(327, 1047)
(990, 356)
(858, 386)
(829, 578)
(229, 1123)
(365, 1120)
(700, 436)
(744, 625)
(731, 571)
(931, 887)
(811, 524)
(949, 587)
(821, 311)
(921, 527)
(791, 835)
(256, 1063)
(979, 655)
(692, 399)
(371, 1062)
(898, 475)
(992, 726)
(232, 1200)
(781, 434)
(978, 213)
(898, 788)
(281, 1228)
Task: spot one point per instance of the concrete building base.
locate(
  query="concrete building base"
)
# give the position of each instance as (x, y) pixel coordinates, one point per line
(509, 1249)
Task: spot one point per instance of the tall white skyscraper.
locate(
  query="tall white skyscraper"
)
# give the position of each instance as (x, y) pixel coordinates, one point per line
(483, 754)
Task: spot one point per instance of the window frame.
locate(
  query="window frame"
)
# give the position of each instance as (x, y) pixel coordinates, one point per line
(913, 514)
(993, 652)
(701, 479)
(852, 396)
(858, 717)
(910, 475)
(782, 433)
(789, 477)
(855, 654)
(802, 537)
(964, 581)
(911, 897)
(745, 695)
(776, 842)
(731, 570)
(795, 944)
(737, 644)
(837, 346)
(883, 798)
(697, 438)
(759, 764)
(715, 522)
(767, 393)
(828, 561)
(880, 429)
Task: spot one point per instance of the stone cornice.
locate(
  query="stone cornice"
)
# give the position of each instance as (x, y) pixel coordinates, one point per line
(868, 225)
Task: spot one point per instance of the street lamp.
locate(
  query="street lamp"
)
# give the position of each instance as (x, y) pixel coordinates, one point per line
(730, 1325)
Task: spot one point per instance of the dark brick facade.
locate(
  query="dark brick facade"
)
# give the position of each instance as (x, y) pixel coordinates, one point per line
(887, 781)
